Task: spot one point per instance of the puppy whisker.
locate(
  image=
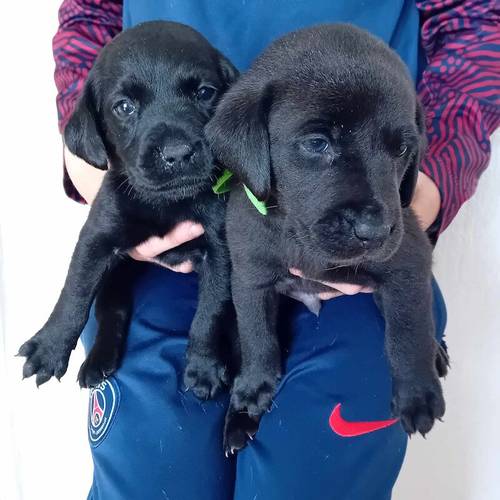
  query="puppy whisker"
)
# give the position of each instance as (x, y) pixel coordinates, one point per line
(125, 181)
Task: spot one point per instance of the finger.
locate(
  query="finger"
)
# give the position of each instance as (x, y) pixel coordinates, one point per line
(184, 267)
(329, 295)
(181, 233)
(348, 288)
(344, 288)
(137, 256)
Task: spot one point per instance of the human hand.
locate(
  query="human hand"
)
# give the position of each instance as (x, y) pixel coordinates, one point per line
(337, 288)
(152, 247)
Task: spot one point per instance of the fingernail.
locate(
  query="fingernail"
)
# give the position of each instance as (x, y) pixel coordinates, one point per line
(196, 230)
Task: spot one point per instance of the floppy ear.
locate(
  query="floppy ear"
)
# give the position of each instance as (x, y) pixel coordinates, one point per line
(409, 181)
(229, 72)
(81, 134)
(239, 138)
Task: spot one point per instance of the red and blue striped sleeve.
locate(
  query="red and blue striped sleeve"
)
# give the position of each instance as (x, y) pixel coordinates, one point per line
(85, 26)
(460, 90)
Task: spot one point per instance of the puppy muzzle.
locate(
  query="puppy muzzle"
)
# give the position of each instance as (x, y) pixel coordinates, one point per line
(352, 232)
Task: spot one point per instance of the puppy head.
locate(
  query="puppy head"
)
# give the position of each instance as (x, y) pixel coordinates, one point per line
(328, 122)
(144, 106)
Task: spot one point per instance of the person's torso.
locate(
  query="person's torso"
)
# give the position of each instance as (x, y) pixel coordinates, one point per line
(241, 29)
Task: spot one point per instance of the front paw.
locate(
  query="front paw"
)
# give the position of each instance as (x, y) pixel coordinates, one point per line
(251, 396)
(238, 429)
(97, 366)
(418, 403)
(253, 393)
(205, 375)
(45, 357)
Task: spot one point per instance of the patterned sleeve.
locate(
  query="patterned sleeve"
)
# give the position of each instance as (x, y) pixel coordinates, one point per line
(460, 90)
(85, 26)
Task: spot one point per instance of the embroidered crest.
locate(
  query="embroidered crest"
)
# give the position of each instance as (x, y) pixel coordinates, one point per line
(103, 404)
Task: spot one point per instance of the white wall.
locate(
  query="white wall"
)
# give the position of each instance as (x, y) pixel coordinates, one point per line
(42, 432)
(460, 460)
(43, 448)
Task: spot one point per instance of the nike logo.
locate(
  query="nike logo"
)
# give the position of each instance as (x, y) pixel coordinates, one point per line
(351, 429)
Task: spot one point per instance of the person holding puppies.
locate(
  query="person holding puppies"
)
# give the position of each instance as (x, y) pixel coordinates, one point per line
(330, 433)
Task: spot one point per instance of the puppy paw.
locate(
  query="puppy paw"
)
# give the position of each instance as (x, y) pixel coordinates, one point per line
(442, 360)
(206, 376)
(253, 394)
(97, 366)
(238, 429)
(45, 357)
(418, 404)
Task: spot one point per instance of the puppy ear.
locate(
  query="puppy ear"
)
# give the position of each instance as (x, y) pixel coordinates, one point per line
(239, 137)
(407, 187)
(229, 72)
(81, 134)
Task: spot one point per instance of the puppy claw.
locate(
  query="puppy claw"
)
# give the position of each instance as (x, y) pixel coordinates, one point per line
(41, 379)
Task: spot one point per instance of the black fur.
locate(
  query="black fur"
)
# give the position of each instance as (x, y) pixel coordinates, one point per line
(143, 111)
(336, 213)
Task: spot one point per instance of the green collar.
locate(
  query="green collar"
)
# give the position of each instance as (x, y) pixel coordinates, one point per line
(223, 185)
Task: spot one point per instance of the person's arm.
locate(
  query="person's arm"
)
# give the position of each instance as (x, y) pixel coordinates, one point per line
(85, 26)
(85, 178)
(460, 91)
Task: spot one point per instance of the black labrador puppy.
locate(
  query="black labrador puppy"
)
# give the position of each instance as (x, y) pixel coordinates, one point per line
(143, 112)
(326, 127)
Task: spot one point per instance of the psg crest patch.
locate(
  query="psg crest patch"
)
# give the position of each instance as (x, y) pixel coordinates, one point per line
(103, 404)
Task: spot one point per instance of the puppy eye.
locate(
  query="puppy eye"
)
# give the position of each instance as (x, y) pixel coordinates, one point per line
(316, 145)
(402, 150)
(124, 108)
(205, 93)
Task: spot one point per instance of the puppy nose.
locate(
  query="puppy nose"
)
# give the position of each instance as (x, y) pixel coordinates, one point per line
(366, 231)
(368, 225)
(176, 154)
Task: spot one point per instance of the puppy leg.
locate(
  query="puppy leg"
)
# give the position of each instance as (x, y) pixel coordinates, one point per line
(48, 351)
(412, 351)
(112, 308)
(255, 385)
(206, 371)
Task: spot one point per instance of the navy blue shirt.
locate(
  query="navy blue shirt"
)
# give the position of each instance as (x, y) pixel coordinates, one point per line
(241, 29)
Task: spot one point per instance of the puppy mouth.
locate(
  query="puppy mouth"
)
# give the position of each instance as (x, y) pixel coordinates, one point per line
(342, 249)
(181, 184)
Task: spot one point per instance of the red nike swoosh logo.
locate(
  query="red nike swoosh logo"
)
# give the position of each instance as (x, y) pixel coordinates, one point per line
(351, 429)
